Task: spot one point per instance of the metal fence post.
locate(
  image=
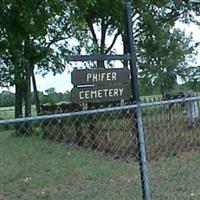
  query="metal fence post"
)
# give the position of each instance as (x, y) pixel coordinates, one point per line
(138, 115)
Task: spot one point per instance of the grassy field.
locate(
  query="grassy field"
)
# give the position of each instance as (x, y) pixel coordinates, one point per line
(36, 169)
(32, 168)
(9, 112)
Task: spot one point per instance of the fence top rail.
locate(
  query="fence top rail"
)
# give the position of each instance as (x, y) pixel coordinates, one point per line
(96, 111)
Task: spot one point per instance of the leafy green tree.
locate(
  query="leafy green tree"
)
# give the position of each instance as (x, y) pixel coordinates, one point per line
(99, 20)
(106, 17)
(50, 91)
(7, 98)
(162, 64)
(32, 33)
(193, 81)
(161, 50)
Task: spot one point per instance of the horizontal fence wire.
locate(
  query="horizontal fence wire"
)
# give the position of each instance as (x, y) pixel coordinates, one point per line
(95, 153)
(70, 156)
(102, 110)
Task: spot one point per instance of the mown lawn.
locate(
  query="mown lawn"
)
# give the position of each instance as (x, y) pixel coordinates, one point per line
(9, 112)
(34, 169)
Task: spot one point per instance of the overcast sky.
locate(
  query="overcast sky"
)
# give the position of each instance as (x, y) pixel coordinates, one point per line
(62, 82)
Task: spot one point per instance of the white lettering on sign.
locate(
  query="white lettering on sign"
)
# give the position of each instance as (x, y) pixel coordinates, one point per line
(110, 93)
(101, 93)
(114, 76)
(81, 95)
(89, 76)
(100, 77)
(94, 94)
(87, 94)
(106, 92)
(121, 91)
(115, 92)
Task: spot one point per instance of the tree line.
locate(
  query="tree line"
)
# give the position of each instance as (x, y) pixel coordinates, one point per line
(49, 96)
(35, 36)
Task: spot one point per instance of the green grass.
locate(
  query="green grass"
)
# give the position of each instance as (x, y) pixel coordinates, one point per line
(9, 112)
(34, 169)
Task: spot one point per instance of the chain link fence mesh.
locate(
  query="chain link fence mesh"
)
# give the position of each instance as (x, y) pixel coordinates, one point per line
(92, 154)
(80, 155)
(172, 135)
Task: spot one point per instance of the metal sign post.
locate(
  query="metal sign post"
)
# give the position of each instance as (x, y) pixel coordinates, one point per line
(136, 99)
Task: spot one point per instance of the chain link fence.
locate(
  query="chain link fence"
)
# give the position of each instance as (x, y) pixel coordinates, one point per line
(92, 154)
(172, 135)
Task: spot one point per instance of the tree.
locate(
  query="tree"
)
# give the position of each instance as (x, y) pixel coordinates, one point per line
(162, 64)
(32, 33)
(99, 20)
(153, 32)
(193, 82)
(50, 91)
(7, 99)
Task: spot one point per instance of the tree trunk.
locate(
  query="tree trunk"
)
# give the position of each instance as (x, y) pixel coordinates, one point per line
(27, 97)
(162, 90)
(18, 105)
(37, 101)
(126, 48)
(28, 71)
(27, 92)
(18, 101)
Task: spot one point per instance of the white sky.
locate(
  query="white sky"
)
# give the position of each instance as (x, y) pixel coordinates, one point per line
(62, 82)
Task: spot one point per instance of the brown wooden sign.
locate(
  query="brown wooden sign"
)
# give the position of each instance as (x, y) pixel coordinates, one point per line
(101, 94)
(100, 76)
